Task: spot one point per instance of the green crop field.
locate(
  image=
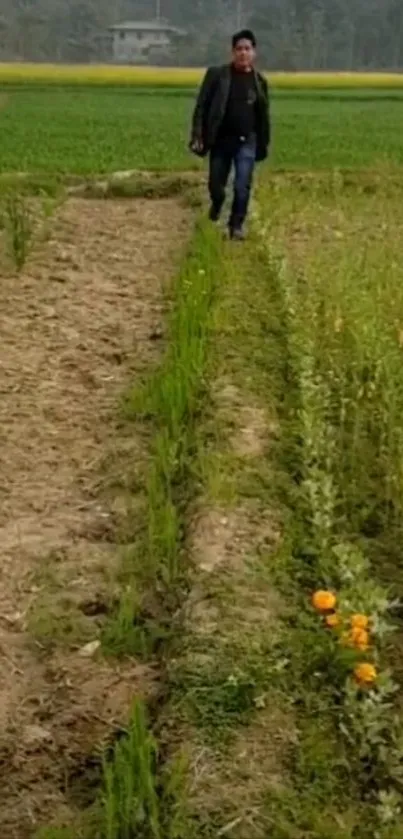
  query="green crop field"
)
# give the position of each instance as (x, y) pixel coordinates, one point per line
(90, 130)
(202, 465)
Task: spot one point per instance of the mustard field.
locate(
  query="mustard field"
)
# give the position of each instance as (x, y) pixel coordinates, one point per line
(24, 73)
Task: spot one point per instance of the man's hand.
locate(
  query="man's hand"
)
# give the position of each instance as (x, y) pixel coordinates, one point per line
(196, 146)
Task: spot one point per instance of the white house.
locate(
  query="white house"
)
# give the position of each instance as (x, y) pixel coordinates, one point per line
(138, 42)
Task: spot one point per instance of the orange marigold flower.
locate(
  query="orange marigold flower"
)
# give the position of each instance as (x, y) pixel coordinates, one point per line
(332, 621)
(360, 638)
(365, 673)
(324, 601)
(359, 622)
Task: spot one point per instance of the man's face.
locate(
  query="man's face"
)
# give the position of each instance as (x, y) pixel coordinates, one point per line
(243, 54)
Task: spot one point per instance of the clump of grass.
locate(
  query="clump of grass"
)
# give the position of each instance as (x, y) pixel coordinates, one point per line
(134, 630)
(25, 221)
(19, 224)
(175, 401)
(130, 798)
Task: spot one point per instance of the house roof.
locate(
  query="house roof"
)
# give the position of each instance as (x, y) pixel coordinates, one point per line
(146, 26)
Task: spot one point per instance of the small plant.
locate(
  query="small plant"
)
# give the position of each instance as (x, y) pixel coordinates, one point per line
(130, 800)
(19, 225)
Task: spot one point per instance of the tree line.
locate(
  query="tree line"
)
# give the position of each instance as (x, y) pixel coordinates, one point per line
(292, 34)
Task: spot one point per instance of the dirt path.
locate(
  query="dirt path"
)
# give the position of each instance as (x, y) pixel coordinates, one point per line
(74, 329)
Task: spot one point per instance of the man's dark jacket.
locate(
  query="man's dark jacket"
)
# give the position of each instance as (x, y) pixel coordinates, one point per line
(211, 105)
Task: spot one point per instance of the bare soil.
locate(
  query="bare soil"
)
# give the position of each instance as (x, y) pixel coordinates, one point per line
(76, 326)
(220, 538)
(250, 433)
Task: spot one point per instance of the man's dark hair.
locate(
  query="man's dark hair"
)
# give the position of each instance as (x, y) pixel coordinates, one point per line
(243, 35)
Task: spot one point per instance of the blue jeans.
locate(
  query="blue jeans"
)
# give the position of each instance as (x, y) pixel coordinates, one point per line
(243, 157)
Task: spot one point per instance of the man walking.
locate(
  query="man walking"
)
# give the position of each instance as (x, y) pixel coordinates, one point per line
(231, 124)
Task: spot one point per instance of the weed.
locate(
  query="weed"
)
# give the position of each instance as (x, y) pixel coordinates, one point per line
(24, 221)
(217, 698)
(132, 631)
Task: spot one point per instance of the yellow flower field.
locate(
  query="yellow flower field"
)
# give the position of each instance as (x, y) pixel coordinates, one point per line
(105, 74)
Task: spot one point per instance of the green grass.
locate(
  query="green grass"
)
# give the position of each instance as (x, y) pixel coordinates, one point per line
(171, 401)
(90, 131)
(130, 799)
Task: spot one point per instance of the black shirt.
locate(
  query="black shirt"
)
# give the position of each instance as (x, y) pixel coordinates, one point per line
(240, 118)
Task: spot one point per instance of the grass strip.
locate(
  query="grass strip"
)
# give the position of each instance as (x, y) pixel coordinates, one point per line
(172, 402)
